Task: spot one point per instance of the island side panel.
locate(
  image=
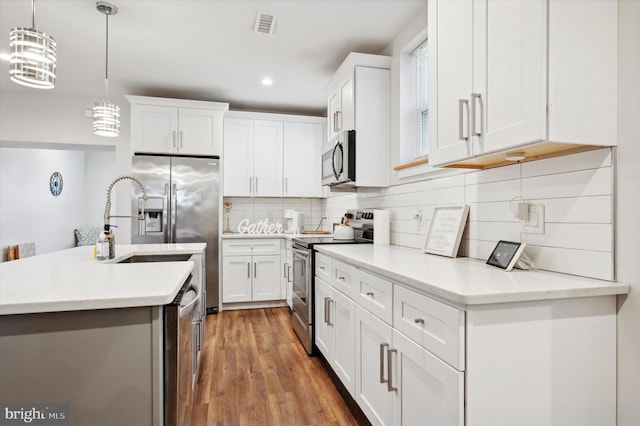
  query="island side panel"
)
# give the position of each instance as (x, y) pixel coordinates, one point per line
(547, 362)
(100, 362)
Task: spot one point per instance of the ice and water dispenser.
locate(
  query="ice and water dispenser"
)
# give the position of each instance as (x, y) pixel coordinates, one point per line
(153, 213)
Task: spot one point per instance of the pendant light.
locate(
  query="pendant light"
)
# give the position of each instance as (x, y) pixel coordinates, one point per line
(106, 115)
(33, 56)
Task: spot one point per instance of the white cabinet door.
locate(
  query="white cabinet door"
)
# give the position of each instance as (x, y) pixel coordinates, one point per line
(236, 279)
(238, 157)
(154, 129)
(323, 327)
(267, 158)
(429, 392)
(198, 134)
(342, 315)
(450, 79)
(509, 73)
(266, 278)
(373, 339)
(301, 165)
(346, 119)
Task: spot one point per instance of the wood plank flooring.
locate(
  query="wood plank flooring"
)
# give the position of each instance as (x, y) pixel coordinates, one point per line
(254, 371)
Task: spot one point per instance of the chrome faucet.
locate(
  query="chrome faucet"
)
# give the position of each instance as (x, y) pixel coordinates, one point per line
(142, 225)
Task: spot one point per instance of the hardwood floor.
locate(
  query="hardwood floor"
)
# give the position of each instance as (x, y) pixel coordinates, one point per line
(254, 371)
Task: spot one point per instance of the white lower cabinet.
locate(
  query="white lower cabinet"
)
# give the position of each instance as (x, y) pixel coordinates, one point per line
(400, 383)
(426, 390)
(335, 331)
(251, 270)
(373, 338)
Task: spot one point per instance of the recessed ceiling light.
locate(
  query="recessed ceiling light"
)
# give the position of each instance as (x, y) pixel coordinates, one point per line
(267, 81)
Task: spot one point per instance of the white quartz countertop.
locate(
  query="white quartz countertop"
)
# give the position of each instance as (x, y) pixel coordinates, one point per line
(71, 280)
(467, 281)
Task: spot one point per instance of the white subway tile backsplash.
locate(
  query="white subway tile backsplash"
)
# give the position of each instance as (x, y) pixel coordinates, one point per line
(573, 184)
(493, 191)
(576, 190)
(568, 163)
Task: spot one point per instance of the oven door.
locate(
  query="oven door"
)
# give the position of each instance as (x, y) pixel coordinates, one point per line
(302, 297)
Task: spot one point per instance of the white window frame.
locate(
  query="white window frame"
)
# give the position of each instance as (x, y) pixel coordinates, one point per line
(419, 56)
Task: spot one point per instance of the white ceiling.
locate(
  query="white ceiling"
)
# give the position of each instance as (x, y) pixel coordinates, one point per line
(206, 49)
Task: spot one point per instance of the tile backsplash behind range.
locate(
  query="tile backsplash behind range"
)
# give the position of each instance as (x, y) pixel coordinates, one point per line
(257, 209)
(576, 191)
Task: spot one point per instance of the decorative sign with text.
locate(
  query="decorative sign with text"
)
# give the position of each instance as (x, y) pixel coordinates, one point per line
(445, 232)
(261, 227)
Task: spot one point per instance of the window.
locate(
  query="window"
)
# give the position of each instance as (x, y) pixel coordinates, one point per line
(422, 105)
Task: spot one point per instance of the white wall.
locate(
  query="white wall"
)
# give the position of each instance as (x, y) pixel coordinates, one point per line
(627, 213)
(28, 210)
(100, 171)
(44, 119)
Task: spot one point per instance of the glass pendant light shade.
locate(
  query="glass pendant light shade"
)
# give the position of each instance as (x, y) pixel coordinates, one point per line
(33, 56)
(106, 119)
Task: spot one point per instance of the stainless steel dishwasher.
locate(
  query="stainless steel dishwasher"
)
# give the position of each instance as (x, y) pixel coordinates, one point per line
(179, 351)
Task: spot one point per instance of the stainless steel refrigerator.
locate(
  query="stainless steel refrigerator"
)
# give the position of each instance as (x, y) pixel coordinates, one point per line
(183, 207)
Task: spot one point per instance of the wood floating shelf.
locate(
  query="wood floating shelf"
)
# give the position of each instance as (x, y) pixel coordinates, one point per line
(532, 152)
(412, 164)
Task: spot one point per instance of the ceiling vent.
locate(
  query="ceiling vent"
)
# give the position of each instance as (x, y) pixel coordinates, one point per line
(265, 23)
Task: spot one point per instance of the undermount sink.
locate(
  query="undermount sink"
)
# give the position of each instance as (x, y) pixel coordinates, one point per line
(142, 258)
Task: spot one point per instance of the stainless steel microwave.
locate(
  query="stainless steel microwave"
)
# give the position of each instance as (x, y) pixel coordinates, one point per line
(339, 160)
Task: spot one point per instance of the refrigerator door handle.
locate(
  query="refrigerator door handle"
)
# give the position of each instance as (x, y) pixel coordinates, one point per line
(165, 213)
(174, 212)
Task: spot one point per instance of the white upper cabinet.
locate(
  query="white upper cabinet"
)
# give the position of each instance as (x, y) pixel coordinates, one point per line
(175, 126)
(272, 155)
(360, 99)
(508, 74)
(301, 165)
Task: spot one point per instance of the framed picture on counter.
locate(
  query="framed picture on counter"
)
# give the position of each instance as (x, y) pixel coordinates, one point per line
(445, 231)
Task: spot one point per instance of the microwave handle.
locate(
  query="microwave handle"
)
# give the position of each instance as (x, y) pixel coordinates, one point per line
(336, 173)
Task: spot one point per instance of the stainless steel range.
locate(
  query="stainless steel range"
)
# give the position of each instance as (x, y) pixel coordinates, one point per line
(302, 315)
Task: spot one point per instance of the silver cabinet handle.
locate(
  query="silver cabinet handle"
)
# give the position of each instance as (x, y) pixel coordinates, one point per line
(285, 268)
(198, 325)
(475, 97)
(289, 274)
(174, 138)
(461, 107)
(390, 386)
(326, 309)
(181, 139)
(255, 270)
(321, 268)
(341, 278)
(250, 184)
(383, 346)
(370, 293)
(286, 185)
(256, 185)
(335, 121)
(339, 113)
(248, 270)
(419, 321)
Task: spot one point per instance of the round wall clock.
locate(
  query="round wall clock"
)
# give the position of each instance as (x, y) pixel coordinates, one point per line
(55, 184)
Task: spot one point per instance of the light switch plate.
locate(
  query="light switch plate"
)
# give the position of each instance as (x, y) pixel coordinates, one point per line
(535, 224)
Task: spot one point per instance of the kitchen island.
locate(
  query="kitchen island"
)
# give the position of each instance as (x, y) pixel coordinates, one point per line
(89, 333)
(423, 339)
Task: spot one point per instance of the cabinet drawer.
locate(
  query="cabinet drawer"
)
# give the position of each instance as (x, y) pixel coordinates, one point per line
(257, 246)
(434, 325)
(375, 294)
(323, 266)
(342, 276)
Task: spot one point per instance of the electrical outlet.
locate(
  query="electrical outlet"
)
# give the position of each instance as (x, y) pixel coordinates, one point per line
(535, 224)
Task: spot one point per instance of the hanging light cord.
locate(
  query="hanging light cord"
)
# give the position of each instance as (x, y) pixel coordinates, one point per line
(33, 13)
(106, 61)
